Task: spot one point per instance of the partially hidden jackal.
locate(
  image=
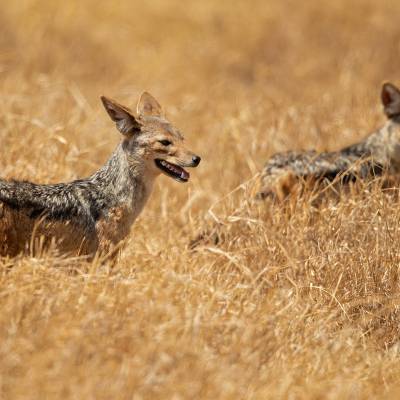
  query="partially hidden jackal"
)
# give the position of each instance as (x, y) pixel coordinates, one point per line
(286, 173)
(96, 213)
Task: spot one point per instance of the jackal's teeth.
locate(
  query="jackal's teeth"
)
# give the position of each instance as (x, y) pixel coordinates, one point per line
(173, 170)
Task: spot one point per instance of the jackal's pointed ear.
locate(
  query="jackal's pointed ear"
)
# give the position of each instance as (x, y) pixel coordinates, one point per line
(122, 116)
(148, 106)
(391, 100)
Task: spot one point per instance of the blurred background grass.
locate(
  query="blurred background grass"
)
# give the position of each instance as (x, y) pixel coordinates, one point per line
(286, 306)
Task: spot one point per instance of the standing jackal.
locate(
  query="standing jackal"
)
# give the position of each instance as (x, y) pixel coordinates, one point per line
(377, 153)
(96, 213)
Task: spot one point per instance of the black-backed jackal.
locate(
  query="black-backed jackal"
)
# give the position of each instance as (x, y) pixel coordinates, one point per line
(96, 213)
(286, 173)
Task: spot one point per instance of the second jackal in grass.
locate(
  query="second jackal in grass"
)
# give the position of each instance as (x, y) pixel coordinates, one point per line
(379, 152)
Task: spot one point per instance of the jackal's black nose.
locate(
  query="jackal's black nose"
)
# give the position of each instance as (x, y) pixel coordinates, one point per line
(196, 161)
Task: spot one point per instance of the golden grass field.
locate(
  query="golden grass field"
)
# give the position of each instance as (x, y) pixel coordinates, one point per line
(294, 302)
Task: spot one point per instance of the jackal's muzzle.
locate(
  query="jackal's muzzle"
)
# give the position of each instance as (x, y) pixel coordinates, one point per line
(175, 171)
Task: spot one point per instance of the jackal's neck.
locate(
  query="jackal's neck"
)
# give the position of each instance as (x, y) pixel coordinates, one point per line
(379, 142)
(122, 180)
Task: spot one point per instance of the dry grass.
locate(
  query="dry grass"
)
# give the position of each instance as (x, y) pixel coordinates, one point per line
(290, 303)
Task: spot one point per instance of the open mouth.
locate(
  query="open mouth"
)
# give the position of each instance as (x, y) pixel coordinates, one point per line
(173, 170)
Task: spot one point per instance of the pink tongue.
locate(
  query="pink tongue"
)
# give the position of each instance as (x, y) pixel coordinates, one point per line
(185, 175)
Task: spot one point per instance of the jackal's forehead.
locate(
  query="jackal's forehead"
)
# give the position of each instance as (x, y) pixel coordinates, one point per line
(158, 126)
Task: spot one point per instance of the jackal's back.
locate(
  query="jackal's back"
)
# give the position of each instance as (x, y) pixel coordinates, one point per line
(304, 164)
(78, 200)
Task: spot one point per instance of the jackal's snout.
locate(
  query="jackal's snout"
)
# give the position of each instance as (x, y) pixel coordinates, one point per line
(174, 168)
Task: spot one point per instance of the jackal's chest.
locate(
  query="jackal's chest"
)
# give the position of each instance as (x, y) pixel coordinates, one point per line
(115, 223)
(395, 158)
(114, 226)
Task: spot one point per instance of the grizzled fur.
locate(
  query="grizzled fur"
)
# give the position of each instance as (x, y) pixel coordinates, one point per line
(377, 153)
(96, 213)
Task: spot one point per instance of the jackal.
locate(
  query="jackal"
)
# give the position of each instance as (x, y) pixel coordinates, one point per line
(284, 173)
(95, 214)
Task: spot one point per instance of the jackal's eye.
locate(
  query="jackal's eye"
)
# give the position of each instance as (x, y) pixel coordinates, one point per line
(165, 142)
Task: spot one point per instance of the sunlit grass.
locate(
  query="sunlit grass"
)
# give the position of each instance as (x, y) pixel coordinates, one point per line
(278, 302)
